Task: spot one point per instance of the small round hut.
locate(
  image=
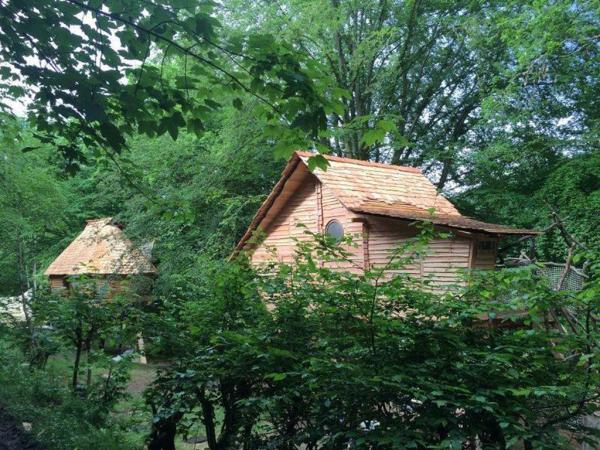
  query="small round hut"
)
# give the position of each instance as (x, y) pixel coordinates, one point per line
(101, 251)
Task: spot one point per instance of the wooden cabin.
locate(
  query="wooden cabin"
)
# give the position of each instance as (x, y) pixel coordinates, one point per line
(378, 202)
(101, 251)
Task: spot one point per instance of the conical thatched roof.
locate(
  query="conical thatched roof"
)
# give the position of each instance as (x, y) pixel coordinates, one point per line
(101, 249)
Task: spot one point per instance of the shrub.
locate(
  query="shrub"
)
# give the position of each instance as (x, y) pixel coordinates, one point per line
(347, 359)
(60, 419)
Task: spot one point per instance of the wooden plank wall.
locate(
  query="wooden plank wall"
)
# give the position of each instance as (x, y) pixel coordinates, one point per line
(484, 259)
(314, 205)
(445, 261)
(442, 262)
(57, 282)
(385, 236)
(301, 208)
(111, 284)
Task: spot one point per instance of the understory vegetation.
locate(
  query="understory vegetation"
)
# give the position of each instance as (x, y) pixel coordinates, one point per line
(305, 355)
(177, 117)
(59, 419)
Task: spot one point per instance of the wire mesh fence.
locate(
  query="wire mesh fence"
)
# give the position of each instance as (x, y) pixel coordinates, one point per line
(573, 280)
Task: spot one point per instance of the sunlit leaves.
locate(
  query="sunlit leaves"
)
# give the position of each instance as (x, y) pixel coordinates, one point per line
(96, 70)
(344, 357)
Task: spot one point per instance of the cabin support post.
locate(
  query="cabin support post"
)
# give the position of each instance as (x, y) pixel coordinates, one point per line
(140, 346)
(365, 243)
(366, 263)
(319, 189)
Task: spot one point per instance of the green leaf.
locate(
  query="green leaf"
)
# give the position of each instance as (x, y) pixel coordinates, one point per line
(237, 103)
(317, 161)
(386, 125)
(373, 136)
(277, 376)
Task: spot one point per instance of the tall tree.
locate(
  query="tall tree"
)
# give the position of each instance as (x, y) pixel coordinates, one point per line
(33, 205)
(422, 80)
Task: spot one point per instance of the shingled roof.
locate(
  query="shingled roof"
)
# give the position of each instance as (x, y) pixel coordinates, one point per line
(380, 189)
(101, 249)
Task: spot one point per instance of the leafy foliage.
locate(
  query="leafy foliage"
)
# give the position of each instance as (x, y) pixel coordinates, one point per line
(60, 421)
(432, 83)
(86, 317)
(88, 67)
(568, 186)
(33, 220)
(374, 361)
(167, 115)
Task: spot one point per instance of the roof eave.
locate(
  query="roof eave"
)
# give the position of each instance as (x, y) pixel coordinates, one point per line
(506, 231)
(70, 274)
(264, 207)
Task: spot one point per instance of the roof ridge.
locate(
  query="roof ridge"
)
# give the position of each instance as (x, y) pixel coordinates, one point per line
(103, 219)
(361, 162)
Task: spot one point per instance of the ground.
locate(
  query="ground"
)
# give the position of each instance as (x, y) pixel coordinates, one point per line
(141, 376)
(12, 435)
(135, 415)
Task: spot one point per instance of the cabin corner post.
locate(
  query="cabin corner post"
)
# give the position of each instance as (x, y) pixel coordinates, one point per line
(319, 195)
(364, 239)
(472, 243)
(365, 244)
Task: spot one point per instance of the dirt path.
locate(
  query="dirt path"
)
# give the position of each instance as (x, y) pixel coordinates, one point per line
(12, 436)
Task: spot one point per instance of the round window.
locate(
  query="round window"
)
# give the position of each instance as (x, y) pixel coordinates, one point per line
(335, 230)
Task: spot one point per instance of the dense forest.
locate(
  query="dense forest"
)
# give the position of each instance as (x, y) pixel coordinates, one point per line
(177, 117)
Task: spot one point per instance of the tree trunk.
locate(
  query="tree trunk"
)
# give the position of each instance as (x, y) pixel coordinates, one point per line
(24, 283)
(231, 421)
(163, 433)
(208, 417)
(88, 378)
(75, 381)
(105, 396)
(89, 338)
(447, 165)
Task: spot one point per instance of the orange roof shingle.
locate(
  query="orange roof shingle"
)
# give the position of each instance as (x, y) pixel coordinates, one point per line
(405, 211)
(382, 189)
(355, 182)
(101, 249)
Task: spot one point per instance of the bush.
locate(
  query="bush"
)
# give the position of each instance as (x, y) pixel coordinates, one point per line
(60, 420)
(368, 361)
